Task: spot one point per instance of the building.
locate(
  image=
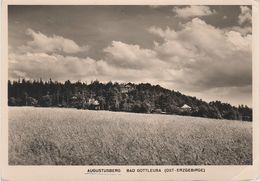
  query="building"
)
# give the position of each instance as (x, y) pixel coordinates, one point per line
(125, 88)
(186, 107)
(93, 104)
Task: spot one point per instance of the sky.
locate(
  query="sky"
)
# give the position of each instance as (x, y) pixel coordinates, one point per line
(202, 51)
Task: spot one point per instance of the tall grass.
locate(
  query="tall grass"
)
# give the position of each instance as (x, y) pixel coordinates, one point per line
(53, 136)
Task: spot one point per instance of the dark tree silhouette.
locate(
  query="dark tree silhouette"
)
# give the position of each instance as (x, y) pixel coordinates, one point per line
(139, 98)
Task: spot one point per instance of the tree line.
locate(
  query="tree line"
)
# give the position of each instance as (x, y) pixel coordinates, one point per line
(138, 98)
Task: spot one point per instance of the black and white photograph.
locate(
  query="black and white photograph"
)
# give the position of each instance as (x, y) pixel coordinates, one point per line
(130, 85)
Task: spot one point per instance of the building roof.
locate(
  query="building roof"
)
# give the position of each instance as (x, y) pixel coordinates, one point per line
(95, 103)
(185, 106)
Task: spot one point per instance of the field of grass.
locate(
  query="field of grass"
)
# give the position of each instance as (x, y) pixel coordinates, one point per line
(58, 136)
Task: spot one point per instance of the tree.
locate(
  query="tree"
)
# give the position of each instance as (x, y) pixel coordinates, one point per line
(143, 98)
(12, 102)
(46, 101)
(30, 101)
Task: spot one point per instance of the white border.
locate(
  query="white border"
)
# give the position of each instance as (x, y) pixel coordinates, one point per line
(77, 172)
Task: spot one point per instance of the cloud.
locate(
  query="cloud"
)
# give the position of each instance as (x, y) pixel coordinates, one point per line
(62, 68)
(130, 56)
(240, 43)
(45, 66)
(245, 16)
(242, 30)
(43, 43)
(193, 11)
(208, 57)
(244, 21)
(197, 58)
(168, 33)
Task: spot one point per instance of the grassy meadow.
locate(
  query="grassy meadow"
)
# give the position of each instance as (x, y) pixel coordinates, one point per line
(59, 136)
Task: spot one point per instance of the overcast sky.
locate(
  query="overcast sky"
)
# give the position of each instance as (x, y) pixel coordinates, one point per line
(202, 51)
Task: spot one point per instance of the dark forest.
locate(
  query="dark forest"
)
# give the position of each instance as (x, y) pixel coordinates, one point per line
(128, 97)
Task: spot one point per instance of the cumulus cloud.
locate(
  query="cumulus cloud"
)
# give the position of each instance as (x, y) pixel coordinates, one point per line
(197, 58)
(240, 43)
(163, 33)
(208, 57)
(62, 68)
(130, 56)
(244, 21)
(193, 11)
(123, 62)
(245, 16)
(49, 44)
(242, 30)
(45, 66)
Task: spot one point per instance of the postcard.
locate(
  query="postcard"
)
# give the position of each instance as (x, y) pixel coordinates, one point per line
(130, 90)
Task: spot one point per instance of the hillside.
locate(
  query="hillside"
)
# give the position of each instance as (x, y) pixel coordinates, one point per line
(138, 98)
(57, 136)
